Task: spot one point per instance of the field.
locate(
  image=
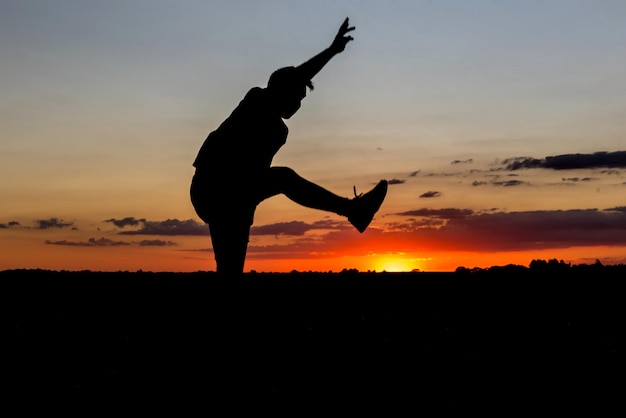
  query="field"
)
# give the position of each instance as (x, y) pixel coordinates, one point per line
(501, 340)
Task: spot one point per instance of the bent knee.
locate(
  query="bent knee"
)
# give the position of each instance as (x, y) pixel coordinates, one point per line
(285, 171)
(284, 174)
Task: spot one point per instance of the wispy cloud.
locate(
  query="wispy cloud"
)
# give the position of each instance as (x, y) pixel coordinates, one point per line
(53, 223)
(92, 242)
(430, 194)
(167, 227)
(617, 209)
(128, 221)
(11, 224)
(525, 230)
(422, 230)
(577, 179)
(427, 230)
(297, 228)
(448, 213)
(468, 161)
(105, 242)
(155, 243)
(506, 183)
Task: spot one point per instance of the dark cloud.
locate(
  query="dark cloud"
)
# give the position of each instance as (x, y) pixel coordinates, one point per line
(395, 181)
(506, 183)
(602, 159)
(128, 221)
(576, 179)
(11, 224)
(444, 174)
(92, 242)
(529, 230)
(449, 213)
(105, 242)
(610, 172)
(53, 223)
(190, 227)
(155, 243)
(468, 161)
(331, 224)
(615, 159)
(430, 194)
(69, 243)
(462, 230)
(282, 228)
(412, 224)
(518, 163)
(296, 228)
(168, 227)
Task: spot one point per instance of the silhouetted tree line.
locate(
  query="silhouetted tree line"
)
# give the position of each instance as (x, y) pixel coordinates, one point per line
(551, 267)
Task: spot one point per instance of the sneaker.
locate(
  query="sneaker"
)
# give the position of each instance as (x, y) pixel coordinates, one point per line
(365, 206)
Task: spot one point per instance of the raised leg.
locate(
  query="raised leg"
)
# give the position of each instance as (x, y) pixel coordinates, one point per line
(302, 191)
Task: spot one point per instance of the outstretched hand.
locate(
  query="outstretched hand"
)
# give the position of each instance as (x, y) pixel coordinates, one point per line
(340, 41)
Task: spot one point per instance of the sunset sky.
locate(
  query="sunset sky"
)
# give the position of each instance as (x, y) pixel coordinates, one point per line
(500, 126)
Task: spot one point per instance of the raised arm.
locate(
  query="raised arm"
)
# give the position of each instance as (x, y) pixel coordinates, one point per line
(313, 66)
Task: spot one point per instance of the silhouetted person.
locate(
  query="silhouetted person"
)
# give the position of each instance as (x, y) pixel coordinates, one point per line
(233, 167)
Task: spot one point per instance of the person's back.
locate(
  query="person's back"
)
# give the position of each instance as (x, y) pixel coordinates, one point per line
(247, 140)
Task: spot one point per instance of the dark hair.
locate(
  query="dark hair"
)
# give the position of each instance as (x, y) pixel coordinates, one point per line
(287, 78)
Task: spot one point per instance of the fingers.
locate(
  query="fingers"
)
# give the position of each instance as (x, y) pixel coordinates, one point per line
(340, 41)
(345, 28)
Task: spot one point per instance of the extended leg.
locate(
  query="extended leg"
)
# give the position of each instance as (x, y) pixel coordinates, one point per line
(360, 211)
(302, 191)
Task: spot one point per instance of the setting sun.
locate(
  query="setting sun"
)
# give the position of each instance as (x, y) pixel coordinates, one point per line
(394, 264)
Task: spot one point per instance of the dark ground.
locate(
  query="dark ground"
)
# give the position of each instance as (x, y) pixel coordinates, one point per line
(319, 344)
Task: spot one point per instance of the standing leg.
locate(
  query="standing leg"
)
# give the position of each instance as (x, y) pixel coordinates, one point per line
(229, 216)
(230, 244)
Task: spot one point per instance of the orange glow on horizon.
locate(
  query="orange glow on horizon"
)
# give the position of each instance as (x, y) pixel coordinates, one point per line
(174, 259)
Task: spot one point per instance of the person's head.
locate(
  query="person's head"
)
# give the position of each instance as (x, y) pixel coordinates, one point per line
(288, 88)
